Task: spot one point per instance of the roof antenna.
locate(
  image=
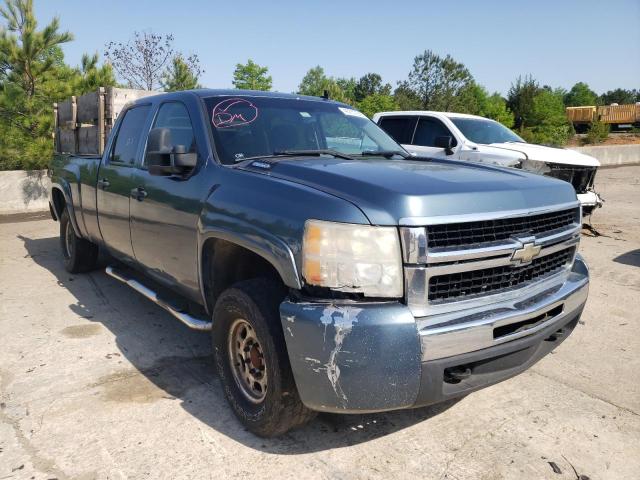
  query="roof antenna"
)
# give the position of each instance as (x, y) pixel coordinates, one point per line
(325, 95)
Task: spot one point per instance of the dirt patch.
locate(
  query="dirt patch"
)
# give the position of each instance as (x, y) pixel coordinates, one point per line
(130, 386)
(169, 377)
(81, 331)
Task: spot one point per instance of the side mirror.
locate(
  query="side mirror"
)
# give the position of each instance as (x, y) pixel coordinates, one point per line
(164, 158)
(446, 142)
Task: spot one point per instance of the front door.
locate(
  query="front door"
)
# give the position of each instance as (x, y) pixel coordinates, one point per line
(116, 179)
(424, 138)
(165, 212)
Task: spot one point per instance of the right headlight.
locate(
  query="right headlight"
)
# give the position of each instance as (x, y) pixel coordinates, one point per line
(353, 258)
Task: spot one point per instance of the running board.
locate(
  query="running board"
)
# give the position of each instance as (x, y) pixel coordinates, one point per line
(188, 320)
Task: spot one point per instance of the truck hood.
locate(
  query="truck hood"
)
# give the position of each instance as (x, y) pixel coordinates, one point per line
(390, 192)
(541, 153)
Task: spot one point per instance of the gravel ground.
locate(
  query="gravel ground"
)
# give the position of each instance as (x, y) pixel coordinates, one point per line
(96, 382)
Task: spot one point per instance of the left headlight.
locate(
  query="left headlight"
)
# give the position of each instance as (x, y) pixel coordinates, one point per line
(353, 258)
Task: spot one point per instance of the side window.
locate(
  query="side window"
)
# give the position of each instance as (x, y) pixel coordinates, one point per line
(128, 138)
(398, 128)
(175, 117)
(427, 131)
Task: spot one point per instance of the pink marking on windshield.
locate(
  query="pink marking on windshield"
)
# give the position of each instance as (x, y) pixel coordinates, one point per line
(234, 112)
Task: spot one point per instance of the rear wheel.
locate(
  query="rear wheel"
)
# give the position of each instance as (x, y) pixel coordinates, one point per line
(252, 360)
(79, 255)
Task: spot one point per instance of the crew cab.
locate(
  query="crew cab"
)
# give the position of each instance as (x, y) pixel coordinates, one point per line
(334, 271)
(478, 139)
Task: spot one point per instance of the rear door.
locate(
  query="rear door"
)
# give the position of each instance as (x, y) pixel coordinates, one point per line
(116, 179)
(400, 128)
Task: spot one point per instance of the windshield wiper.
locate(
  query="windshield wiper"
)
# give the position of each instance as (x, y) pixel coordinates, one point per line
(384, 153)
(312, 153)
(297, 153)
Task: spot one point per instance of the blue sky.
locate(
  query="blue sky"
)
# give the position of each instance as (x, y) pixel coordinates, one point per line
(559, 42)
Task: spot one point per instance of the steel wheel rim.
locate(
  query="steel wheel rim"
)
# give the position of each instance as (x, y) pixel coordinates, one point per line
(247, 361)
(68, 243)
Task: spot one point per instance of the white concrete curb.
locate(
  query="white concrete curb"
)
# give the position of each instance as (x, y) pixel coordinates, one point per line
(23, 191)
(611, 155)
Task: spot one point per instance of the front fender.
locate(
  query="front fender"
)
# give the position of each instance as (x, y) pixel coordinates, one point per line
(234, 230)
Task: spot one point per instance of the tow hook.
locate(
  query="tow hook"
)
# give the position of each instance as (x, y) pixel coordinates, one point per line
(555, 336)
(456, 374)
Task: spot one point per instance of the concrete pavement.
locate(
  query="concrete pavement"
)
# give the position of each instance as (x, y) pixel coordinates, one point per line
(96, 382)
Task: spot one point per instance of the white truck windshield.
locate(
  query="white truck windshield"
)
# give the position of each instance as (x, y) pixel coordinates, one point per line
(480, 130)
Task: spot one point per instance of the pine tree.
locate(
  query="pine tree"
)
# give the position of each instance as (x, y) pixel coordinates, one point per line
(181, 76)
(32, 76)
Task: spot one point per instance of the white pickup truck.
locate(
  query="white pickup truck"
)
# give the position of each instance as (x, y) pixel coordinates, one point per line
(477, 139)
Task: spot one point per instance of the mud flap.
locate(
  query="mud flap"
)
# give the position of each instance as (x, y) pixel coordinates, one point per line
(353, 357)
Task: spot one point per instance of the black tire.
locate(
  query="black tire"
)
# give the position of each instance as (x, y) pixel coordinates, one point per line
(281, 409)
(79, 255)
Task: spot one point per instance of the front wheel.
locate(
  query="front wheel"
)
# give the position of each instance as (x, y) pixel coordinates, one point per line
(79, 255)
(252, 361)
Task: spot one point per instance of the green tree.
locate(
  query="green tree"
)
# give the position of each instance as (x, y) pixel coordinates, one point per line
(377, 102)
(598, 132)
(313, 82)
(91, 76)
(475, 99)
(472, 99)
(251, 76)
(316, 82)
(549, 123)
(438, 82)
(180, 76)
(520, 100)
(495, 107)
(370, 84)
(579, 95)
(620, 96)
(405, 98)
(347, 87)
(32, 76)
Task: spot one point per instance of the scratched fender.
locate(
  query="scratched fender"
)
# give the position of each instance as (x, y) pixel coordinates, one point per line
(353, 357)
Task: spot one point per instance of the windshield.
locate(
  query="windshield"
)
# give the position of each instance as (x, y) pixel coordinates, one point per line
(482, 130)
(247, 127)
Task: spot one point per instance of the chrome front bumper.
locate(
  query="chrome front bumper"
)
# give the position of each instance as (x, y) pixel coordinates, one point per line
(483, 327)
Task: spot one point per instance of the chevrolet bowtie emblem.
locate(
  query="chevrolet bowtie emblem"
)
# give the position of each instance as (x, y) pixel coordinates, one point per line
(526, 254)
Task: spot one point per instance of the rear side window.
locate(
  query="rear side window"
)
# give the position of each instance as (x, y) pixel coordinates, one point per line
(399, 128)
(427, 131)
(126, 144)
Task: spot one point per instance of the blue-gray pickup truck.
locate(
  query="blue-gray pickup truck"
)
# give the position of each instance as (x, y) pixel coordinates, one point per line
(335, 272)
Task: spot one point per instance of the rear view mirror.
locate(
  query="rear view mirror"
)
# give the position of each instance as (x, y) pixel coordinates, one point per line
(165, 158)
(446, 142)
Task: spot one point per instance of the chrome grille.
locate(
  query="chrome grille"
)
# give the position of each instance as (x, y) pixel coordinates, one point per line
(493, 280)
(462, 262)
(470, 233)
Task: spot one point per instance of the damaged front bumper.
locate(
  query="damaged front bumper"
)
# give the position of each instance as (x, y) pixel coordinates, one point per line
(589, 200)
(355, 357)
